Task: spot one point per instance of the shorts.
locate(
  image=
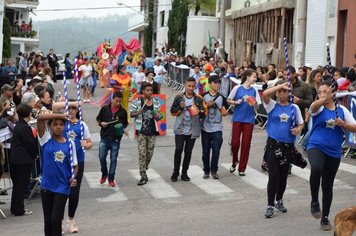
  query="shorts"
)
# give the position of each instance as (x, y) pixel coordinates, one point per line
(84, 82)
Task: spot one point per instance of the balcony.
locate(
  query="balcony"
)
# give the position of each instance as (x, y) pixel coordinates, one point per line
(29, 33)
(137, 22)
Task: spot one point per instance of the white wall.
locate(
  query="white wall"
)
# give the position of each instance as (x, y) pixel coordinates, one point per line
(197, 33)
(1, 27)
(331, 29)
(162, 32)
(315, 51)
(229, 35)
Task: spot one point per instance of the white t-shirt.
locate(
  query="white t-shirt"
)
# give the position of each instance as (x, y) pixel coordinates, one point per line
(159, 70)
(87, 69)
(138, 77)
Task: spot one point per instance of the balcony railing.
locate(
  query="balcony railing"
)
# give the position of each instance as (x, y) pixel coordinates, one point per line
(21, 33)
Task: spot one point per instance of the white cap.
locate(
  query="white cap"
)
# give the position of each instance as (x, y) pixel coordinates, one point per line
(308, 65)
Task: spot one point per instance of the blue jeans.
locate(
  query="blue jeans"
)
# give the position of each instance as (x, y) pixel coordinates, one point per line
(95, 79)
(211, 141)
(104, 147)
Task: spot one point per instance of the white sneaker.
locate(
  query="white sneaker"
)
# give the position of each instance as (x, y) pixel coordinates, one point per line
(72, 227)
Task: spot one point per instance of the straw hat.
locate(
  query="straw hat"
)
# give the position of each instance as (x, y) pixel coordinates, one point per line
(105, 56)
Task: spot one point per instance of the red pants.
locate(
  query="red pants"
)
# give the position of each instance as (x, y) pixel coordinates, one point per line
(238, 129)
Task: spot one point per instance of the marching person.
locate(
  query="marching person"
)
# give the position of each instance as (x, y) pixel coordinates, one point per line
(112, 119)
(86, 81)
(145, 110)
(212, 127)
(285, 122)
(56, 165)
(76, 136)
(324, 156)
(188, 108)
(244, 97)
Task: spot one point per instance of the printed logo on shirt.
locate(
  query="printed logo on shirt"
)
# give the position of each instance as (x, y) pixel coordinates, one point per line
(284, 117)
(330, 123)
(72, 135)
(59, 156)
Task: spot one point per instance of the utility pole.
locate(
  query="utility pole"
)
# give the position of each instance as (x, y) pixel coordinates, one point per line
(2, 13)
(222, 27)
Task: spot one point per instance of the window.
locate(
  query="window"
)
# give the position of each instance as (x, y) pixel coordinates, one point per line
(161, 19)
(228, 4)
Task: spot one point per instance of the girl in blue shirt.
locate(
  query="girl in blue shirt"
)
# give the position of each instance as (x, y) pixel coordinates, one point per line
(86, 143)
(56, 171)
(324, 149)
(244, 97)
(285, 122)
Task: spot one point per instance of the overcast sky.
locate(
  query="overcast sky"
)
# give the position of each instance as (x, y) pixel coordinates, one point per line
(73, 4)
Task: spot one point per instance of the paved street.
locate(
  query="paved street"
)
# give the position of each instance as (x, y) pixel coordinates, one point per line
(232, 205)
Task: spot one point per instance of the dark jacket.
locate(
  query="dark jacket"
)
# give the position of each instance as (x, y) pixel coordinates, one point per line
(177, 111)
(303, 92)
(24, 146)
(105, 115)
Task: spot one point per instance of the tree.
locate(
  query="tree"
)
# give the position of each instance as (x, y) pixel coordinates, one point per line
(149, 30)
(6, 50)
(208, 5)
(177, 25)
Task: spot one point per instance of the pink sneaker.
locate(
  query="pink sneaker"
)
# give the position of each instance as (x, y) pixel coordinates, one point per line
(112, 183)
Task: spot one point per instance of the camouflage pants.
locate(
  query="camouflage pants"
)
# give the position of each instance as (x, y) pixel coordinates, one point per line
(146, 145)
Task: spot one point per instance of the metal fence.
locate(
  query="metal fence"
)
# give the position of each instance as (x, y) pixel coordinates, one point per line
(177, 75)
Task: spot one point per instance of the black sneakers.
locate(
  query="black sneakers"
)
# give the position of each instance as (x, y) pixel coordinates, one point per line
(269, 212)
(279, 206)
(174, 177)
(214, 175)
(325, 224)
(185, 177)
(206, 175)
(143, 180)
(315, 210)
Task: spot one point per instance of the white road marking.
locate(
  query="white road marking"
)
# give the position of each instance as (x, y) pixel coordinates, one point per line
(305, 173)
(348, 168)
(156, 186)
(256, 178)
(93, 182)
(210, 186)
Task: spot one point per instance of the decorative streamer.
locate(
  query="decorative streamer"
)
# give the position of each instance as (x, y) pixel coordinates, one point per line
(333, 82)
(79, 106)
(289, 81)
(68, 134)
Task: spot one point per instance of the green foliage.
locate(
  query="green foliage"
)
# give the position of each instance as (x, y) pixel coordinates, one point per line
(148, 35)
(177, 25)
(6, 52)
(207, 5)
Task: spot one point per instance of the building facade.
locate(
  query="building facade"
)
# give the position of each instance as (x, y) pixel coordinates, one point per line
(23, 36)
(346, 34)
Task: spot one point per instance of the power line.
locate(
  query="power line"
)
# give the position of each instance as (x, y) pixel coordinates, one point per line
(92, 8)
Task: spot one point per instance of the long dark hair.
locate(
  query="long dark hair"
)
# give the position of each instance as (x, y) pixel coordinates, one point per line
(247, 73)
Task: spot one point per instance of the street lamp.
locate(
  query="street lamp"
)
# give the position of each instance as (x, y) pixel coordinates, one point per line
(123, 4)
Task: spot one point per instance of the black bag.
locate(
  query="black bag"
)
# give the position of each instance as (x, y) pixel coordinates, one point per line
(298, 159)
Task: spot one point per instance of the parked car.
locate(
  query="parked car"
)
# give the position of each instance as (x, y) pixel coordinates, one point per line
(61, 68)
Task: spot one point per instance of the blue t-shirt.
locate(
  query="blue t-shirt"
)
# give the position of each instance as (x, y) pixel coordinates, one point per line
(76, 136)
(280, 121)
(325, 135)
(243, 112)
(56, 168)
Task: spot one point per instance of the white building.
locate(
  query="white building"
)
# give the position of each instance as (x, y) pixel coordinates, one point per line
(321, 29)
(164, 7)
(23, 36)
(197, 26)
